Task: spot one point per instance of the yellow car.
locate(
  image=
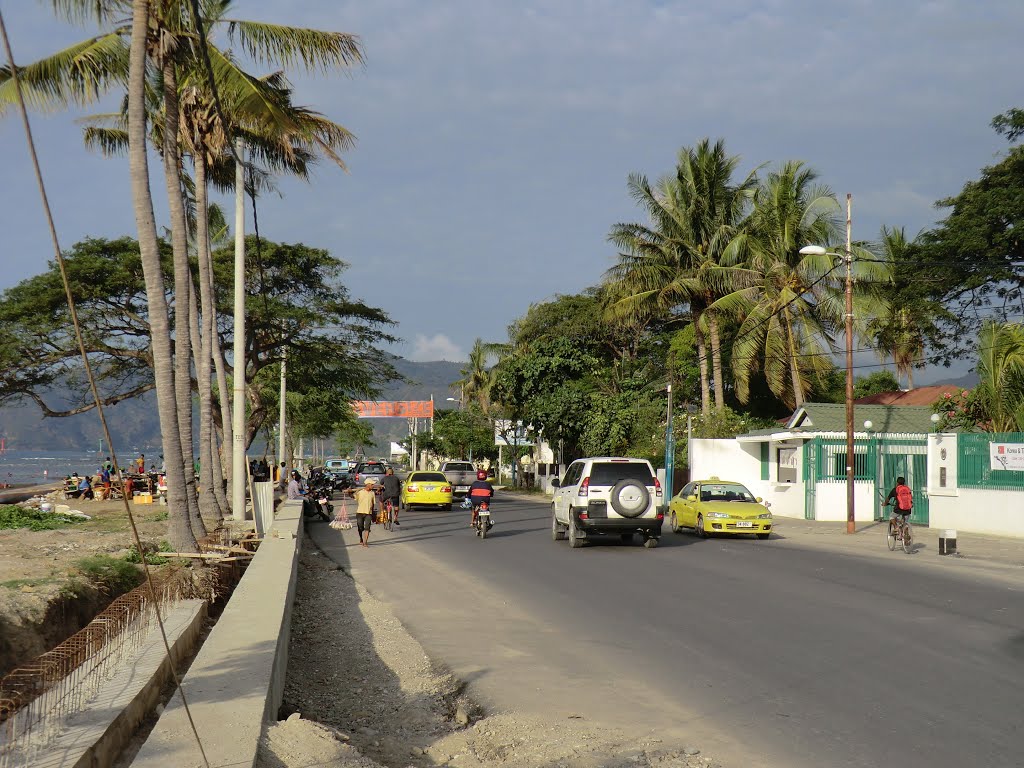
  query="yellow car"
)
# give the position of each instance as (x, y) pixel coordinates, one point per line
(719, 506)
(423, 489)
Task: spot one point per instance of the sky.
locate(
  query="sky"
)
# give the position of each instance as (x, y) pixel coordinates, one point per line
(495, 137)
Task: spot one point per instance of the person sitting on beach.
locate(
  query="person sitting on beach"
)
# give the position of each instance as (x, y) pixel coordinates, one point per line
(85, 488)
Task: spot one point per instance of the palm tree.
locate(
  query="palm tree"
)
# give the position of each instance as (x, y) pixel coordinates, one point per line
(84, 71)
(899, 332)
(790, 306)
(180, 533)
(1000, 390)
(675, 260)
(477, 375)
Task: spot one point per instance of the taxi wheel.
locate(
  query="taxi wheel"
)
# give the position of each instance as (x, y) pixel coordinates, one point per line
(674, 524)
(699, 530)
(762, 536)
(447, 507)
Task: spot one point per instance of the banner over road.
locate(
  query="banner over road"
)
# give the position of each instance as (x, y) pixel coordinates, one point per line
(393, 409)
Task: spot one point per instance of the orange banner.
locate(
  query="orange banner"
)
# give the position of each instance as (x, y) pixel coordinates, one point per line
(394, 409)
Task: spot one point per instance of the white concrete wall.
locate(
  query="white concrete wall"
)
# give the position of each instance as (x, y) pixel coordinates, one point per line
(979, 511)
(726, 459)
(830, 501)
(942, 455)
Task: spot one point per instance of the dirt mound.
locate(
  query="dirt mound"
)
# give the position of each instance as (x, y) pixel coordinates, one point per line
(353, 667)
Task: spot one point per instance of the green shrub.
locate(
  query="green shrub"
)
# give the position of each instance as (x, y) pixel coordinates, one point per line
(115, 574)
(15, 516)
(152, 556)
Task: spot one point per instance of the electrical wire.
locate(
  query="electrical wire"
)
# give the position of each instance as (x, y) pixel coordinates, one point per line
(91, 377)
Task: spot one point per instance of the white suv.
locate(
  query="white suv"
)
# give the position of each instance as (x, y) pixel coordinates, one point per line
(607, 495)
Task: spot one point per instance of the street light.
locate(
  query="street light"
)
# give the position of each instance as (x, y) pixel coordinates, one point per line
(817, 250)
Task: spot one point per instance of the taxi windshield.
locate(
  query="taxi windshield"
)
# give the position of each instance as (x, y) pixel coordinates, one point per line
(725, 492)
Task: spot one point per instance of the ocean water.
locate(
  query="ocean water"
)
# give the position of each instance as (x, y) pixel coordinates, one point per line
(38, 467)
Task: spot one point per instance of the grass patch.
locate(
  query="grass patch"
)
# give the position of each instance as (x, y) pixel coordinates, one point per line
(115, 574)
(19, 583)
(14, 516)
(152, 554)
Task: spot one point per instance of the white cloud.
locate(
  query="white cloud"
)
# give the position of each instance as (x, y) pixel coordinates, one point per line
(436, 347)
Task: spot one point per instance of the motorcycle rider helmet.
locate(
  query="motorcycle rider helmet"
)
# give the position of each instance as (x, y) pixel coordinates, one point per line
(481, 475)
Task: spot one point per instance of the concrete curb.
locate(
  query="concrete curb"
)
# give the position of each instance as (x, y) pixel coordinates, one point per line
(236, 681)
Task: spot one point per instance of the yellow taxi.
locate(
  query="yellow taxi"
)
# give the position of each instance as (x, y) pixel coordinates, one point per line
(719, 506)
(423, 489)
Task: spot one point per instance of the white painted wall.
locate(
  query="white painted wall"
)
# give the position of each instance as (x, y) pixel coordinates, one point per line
(979, 511)
(942, 455)
(830, 501)
(732, 460)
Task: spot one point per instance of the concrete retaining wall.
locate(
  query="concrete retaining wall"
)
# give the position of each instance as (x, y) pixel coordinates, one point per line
(237, 679)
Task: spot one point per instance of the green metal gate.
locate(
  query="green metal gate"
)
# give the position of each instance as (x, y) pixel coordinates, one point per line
(810, 480)
(878, 460)
(904, 457)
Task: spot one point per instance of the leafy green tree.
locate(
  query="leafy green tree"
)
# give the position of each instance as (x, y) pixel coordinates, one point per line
(874, 383)
(302, 306)
(974, 260)
(459, 434)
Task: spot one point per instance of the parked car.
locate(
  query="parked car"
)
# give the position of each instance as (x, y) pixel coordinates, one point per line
(607, 495)
(423, 489)
(461, 475)
(719, 506)
(364, 469)
(336, 465)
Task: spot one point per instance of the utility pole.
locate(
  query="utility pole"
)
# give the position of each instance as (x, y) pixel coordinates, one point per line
(670, 452)
(281, 413)
(238, 473)
(851, 526)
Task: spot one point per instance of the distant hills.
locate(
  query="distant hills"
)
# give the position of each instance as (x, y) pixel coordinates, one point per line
(136, 425)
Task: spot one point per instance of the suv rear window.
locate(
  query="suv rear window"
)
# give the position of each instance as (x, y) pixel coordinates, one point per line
(610, 472)
(459, 467)
(370, 469)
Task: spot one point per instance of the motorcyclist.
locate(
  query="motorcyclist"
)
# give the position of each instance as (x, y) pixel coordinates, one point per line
(479, 492)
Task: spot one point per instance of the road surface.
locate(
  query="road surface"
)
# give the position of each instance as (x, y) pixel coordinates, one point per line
(761, 653)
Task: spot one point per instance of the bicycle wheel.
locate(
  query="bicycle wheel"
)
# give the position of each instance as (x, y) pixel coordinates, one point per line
(890, 537)
(908, 539)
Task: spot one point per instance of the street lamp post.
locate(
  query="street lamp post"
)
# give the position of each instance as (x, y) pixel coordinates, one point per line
(817, 250)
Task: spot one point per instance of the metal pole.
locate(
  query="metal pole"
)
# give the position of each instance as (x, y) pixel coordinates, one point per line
(281, 414)
(238, 470)
(670, 452)
(850, 524)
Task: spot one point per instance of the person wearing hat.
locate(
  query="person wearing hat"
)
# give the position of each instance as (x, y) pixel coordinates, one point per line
(366, 501)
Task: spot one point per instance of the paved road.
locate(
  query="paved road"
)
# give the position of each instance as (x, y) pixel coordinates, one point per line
(760, 653)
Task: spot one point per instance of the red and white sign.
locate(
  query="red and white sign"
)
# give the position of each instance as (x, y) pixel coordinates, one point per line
(393, 409)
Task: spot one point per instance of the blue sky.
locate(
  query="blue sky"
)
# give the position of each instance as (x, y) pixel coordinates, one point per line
(495, 136)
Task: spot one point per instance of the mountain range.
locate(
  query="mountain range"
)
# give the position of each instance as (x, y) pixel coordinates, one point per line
(135, 424)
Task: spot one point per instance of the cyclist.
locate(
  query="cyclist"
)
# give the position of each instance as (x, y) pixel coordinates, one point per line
(903, 498)
(391, 490)
(479, 492)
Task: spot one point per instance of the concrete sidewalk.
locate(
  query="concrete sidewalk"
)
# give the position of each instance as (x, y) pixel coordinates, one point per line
(973, 549)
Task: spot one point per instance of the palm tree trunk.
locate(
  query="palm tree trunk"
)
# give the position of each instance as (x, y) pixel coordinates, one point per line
(179, 528)
(182, 289)
(224, 400)
(716, 360)
(702, 359)
(208, 502)
(794, 366)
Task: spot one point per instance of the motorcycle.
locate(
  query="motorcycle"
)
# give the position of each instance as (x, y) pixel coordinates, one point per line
(318, 498)
(483, 521)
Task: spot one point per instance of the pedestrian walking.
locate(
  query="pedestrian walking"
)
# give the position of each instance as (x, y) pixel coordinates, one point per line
(366, 502)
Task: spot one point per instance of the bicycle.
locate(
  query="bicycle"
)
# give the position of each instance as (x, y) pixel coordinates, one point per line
(387, 513)
(900, 531)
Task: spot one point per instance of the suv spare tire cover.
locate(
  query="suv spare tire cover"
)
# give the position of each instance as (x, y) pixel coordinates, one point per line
(630, 498)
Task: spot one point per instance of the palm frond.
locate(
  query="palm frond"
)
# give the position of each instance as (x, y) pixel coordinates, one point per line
(313, 49)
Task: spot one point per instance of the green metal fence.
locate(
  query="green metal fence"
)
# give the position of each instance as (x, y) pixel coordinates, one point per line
(974, 463)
